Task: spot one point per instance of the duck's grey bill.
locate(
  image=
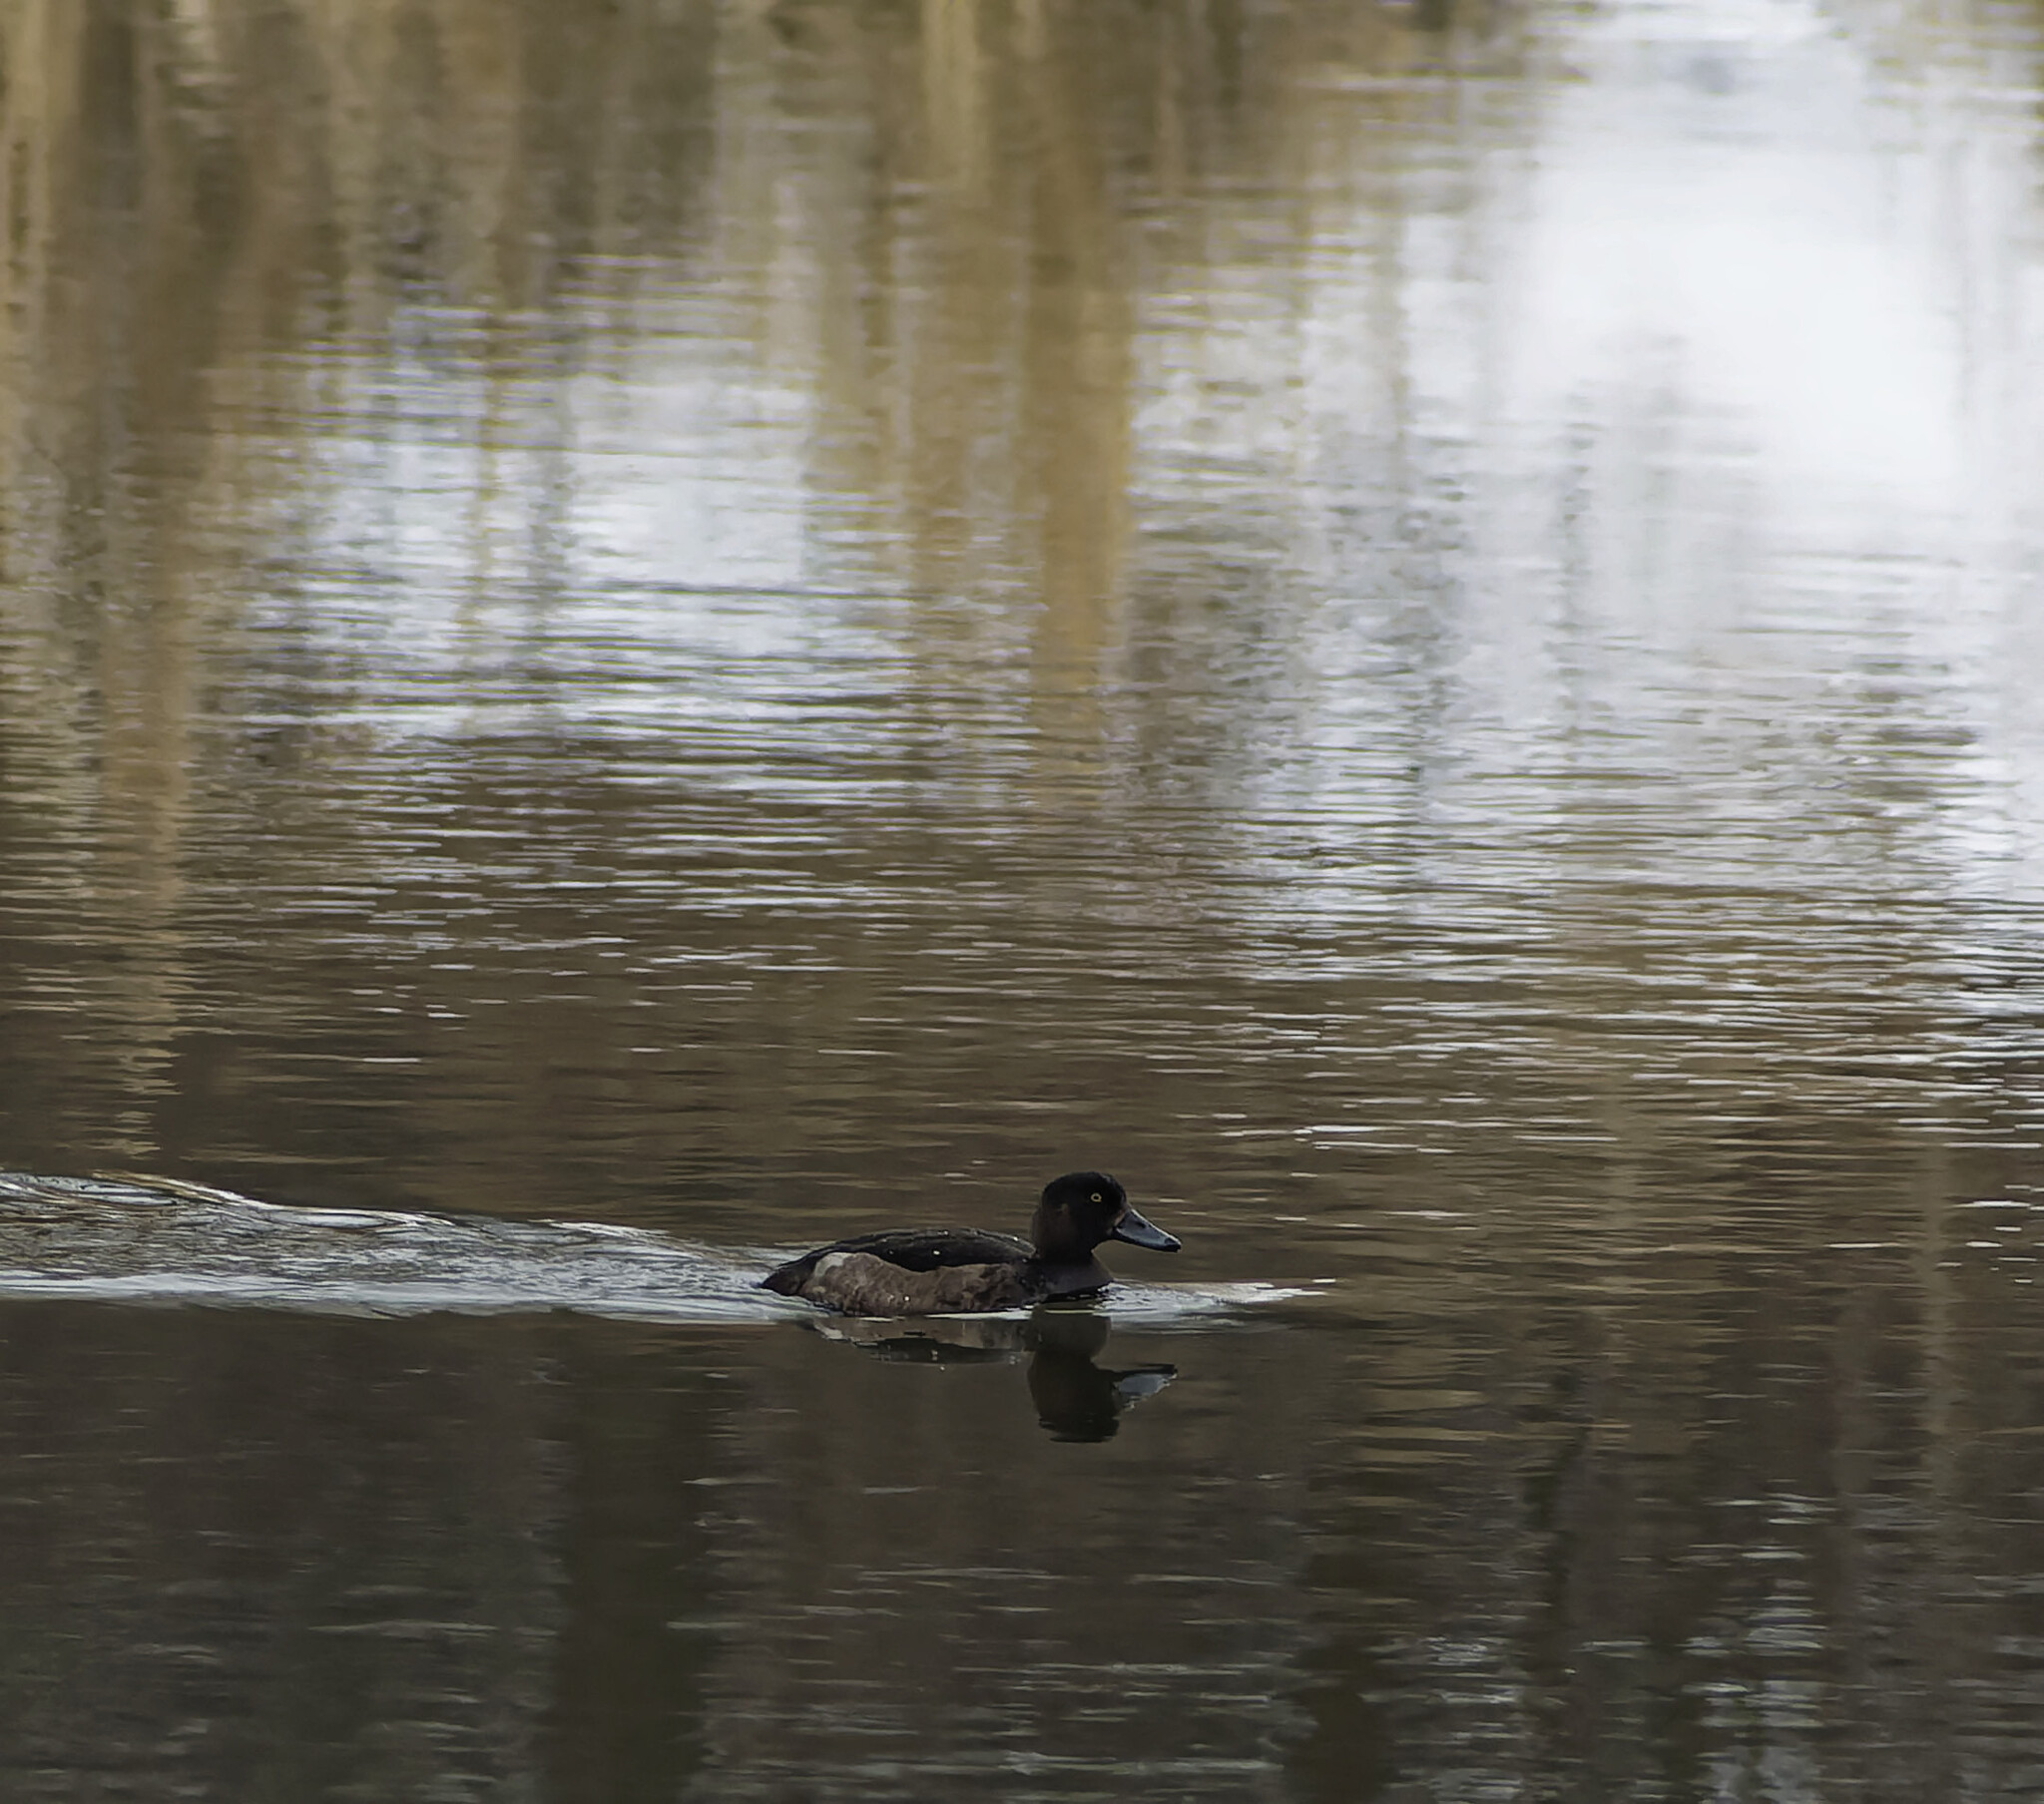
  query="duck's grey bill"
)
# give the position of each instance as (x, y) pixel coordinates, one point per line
(1138, 1232)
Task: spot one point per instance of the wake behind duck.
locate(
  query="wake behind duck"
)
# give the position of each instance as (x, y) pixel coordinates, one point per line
(158, 1240)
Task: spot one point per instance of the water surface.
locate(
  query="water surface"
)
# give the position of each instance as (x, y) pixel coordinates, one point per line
(1413, 627)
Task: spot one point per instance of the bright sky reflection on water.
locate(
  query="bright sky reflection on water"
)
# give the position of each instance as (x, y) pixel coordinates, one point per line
(1416, 627)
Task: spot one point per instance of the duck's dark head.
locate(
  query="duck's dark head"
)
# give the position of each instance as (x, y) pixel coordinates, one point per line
(1081, 1209)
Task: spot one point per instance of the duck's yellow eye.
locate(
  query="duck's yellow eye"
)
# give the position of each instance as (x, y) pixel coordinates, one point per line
(1096, 1195)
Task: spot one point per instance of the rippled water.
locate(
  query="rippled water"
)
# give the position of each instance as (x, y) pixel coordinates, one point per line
(1415, 628)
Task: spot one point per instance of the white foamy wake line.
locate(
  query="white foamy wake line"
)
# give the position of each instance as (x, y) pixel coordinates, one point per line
(157, 1240)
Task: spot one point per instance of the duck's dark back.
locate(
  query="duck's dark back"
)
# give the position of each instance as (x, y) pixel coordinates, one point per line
(914, 1250)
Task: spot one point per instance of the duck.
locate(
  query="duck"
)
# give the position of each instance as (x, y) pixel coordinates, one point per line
(954, 1270)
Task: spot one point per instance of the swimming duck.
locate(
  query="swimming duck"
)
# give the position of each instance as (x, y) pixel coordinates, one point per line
(942, 1270)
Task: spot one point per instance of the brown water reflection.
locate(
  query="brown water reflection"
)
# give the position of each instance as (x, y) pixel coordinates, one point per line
(1413, 627)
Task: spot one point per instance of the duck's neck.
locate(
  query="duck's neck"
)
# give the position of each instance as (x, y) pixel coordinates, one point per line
(1064, 1255)
(1068, 1277)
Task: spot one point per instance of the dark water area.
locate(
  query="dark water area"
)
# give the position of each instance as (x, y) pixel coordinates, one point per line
(1415, 628)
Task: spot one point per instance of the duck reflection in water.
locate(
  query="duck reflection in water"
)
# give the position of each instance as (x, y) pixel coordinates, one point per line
(1075, 1399)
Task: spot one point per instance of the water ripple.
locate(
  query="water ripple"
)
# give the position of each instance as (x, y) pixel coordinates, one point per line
(127, 1240)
